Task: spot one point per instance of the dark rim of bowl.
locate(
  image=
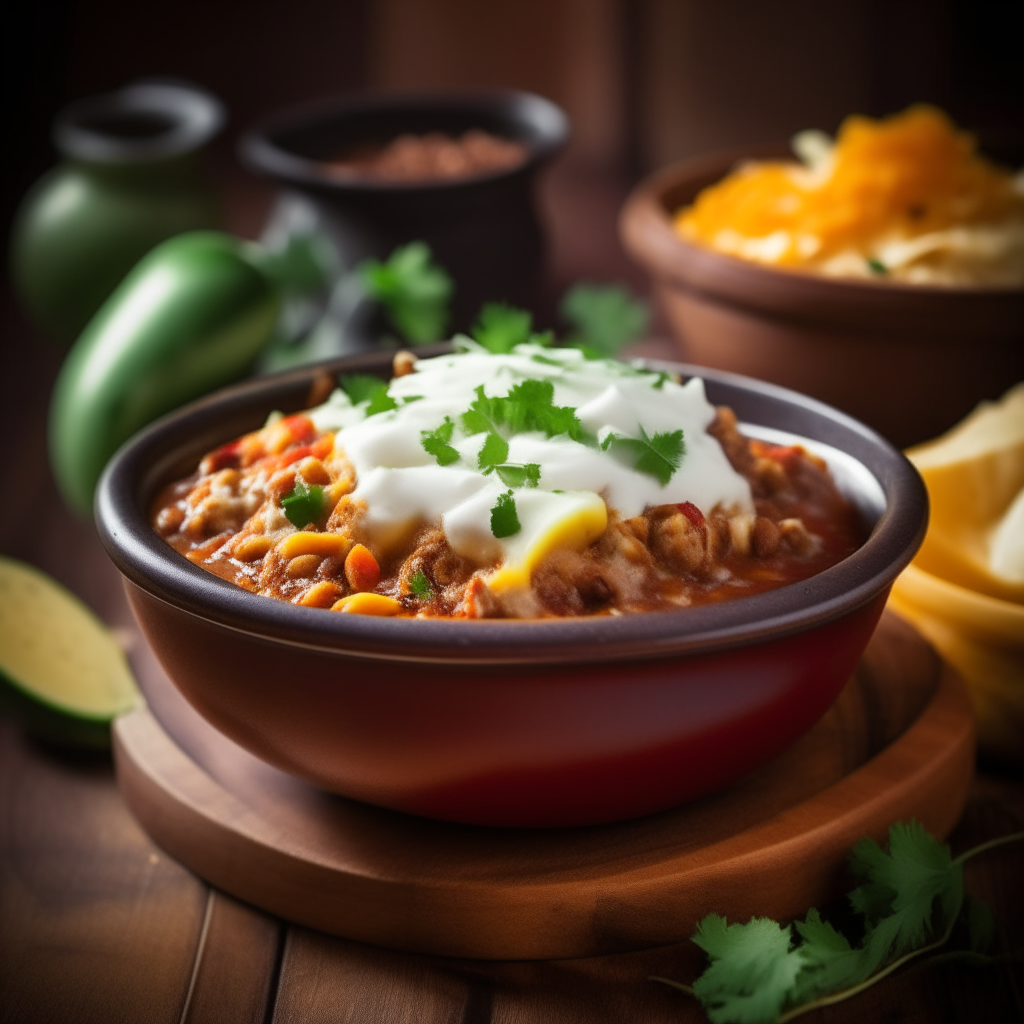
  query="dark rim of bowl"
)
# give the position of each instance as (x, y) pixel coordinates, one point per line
(791, 294)
(543, 129)
(172, 446)
(98, 129)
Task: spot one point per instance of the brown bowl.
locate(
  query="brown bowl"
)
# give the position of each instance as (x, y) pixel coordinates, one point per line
(909, 360)
(548, 722)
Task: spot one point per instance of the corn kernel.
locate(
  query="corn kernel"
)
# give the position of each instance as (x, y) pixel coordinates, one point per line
(367, 604)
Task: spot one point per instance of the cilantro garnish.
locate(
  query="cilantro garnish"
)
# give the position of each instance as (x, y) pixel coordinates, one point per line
(303, 504)
(504, 518)
(658, 456)
(420, 587)
(484, 414)
(529, 405)
(605, 318)
(514, 474)
(361, 387)
(493, 458)
(877, 267)
(911, 898)
(493, 453)
(413, 290)
(501, 327)
(436, 443)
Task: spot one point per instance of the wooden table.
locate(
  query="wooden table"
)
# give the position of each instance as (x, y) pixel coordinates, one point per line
(98, 924)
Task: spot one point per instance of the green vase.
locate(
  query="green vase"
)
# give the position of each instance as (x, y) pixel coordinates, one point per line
(132, 176)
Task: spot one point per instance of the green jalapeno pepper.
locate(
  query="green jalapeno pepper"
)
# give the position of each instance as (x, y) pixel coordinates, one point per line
(190, 317)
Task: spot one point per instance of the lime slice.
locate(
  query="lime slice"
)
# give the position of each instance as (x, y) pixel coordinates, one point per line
(61, 671)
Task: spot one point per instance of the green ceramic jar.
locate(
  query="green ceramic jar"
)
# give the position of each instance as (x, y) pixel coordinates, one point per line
(131, 177)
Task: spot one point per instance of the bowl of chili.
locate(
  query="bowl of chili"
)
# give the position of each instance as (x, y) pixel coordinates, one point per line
(551, 721)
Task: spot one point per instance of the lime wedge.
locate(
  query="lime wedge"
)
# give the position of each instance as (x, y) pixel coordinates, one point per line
(61, 672)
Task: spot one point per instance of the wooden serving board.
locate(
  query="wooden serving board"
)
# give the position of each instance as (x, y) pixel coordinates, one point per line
(897, 744)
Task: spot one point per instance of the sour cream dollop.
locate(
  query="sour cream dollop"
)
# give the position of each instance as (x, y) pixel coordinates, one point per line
(404, 487)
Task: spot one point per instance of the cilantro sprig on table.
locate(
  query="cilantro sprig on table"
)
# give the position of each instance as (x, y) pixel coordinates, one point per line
(605, 318)
(414, 291)
(910, 899)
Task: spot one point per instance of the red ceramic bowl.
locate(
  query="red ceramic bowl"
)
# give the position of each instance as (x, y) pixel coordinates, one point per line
(910, 360)
(519, 723)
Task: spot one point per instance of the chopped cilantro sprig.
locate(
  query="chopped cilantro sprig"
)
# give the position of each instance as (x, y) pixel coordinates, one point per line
(504, 517)
(659, 456)
(910, 899)
(528, 406)
(419, 586)
(303, 504)
(438, 443)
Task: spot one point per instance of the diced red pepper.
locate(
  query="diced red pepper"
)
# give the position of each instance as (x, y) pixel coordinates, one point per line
(692, 513)
(224, 457)
(319, 449)
(300, 427)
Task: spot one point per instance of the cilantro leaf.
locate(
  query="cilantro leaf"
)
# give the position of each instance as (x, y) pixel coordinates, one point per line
(500, 327)
(493, 453)
(752, 970)
(485, 415)
(755, 974)
(529, 405)
(514, 475)
(414, 291)
(659, 456)
(605, 318)
(905, 883)
(361, 387)
(877, 267)
(504, 517)
(303, 504)
(830, 963)
(420, 587)
(436, 443)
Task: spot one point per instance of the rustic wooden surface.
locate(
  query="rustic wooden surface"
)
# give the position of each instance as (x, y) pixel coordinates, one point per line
(97, 924)
(898, 743)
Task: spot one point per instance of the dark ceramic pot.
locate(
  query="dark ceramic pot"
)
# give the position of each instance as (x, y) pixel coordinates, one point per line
(517, 723)
(483, 230)
(910, 360)
(131, 177)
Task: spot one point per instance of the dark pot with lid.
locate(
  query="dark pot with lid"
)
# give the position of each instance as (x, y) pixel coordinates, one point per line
(483, 227)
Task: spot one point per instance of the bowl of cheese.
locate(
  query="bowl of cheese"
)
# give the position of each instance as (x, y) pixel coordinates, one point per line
(888, 259)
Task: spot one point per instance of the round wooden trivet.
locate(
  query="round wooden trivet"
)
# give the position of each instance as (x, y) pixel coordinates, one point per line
(897, 744)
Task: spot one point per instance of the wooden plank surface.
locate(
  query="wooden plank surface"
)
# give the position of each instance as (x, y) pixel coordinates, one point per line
(97, 923)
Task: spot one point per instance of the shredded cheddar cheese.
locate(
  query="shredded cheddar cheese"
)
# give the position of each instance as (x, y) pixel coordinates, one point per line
(907, 197)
